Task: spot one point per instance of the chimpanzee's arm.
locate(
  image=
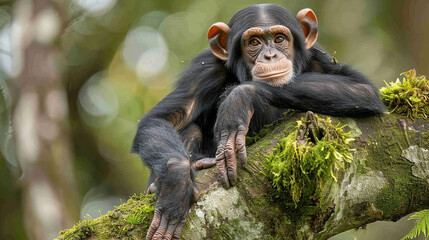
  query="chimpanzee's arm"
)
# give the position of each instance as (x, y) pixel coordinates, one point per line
(159, 144)
(331, 94)
(344, 92)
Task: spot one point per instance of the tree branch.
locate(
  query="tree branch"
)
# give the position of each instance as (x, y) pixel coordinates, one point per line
(388, 178)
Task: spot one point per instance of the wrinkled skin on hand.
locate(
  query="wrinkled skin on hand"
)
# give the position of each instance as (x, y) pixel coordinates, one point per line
(204, 163)
(175, 197)
(231, 127)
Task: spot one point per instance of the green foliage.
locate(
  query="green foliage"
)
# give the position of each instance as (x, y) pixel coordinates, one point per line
(303, 169)
(141, 215)
(135, 218)
(409, 97)
(422, 225)
(117, 224)
(389, 199)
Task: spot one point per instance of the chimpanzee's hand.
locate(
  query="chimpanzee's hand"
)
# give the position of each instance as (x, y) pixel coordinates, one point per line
(231, 127)
(175, 197)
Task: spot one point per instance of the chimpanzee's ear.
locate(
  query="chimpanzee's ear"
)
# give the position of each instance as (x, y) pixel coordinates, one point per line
(217, 35)
(308, 21)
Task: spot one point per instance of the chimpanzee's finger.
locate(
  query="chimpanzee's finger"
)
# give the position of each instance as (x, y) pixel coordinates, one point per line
(241, 144)
(161, 229)
(154, 225)
(231, 160)
(171, 229)
(178, 231)
(196, 194)
(220, 160)
(204, 163)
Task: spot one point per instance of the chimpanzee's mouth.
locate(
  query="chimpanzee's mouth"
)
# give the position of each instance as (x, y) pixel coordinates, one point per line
(273, 75)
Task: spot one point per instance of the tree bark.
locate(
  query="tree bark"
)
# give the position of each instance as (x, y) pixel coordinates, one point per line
(387, 179)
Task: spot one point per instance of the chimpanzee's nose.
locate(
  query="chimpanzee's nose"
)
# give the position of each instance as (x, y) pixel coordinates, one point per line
(269, 55)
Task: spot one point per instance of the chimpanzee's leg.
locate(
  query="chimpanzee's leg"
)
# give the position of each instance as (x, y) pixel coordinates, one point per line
(192, 138)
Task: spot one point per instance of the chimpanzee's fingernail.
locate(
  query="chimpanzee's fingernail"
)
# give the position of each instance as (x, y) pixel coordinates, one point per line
(233, 182)
(223, 180)
(196, 194)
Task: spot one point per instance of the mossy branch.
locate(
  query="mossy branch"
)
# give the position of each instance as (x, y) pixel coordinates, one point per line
(386, 179)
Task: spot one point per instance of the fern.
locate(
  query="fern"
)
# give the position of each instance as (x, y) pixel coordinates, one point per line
(422, 225)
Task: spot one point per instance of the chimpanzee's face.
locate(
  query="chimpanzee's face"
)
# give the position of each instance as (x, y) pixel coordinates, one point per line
(268, 53)
(265, 43)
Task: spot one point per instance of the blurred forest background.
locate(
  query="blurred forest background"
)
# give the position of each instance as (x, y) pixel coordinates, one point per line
(77, 75)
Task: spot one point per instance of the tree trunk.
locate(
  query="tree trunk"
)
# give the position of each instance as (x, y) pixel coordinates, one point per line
(43, 129)
(387, 178)
(40, 123)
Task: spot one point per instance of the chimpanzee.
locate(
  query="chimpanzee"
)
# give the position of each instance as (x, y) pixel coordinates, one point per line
(264, 61)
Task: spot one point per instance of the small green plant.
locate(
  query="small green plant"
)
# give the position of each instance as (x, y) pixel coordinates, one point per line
(408, 97)
(334, 58)
(141, 215)
(297, 168)
(422, 225)
(135, 218)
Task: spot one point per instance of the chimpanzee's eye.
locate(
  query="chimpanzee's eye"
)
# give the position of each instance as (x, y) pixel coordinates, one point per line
(279, 39)
(254, 42)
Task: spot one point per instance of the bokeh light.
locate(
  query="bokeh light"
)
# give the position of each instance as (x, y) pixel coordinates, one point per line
(153, 19)
(5, 51)
(97, 201)
(97, 102)
(96, 7)
(47, 26)
(145, 51)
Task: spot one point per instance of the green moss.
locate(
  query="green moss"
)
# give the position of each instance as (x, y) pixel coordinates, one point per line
(257, 152)
(384, 155)
(409, 97)
(388, 200)
(117, 224)
(361, 169)
(267, 129)
(301, 170)
(254, 137)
